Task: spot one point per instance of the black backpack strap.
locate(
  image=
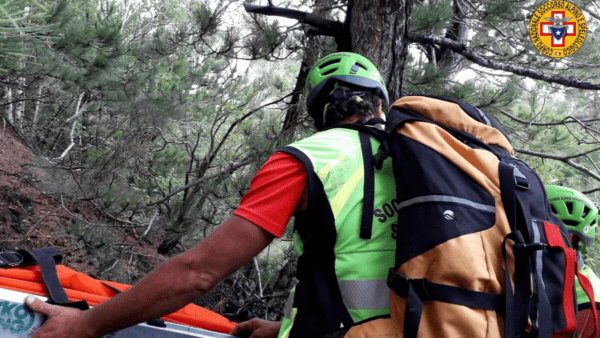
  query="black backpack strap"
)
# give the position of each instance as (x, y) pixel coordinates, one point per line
(520, 306)
(366, 223)
(418, 290)
(365, 130)
(46, 259)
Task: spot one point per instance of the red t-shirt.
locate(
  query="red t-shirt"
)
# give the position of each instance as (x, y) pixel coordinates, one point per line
(276, 192)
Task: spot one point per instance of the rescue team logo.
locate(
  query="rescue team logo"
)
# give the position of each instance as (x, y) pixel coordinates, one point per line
(557, 29)
(16, 321)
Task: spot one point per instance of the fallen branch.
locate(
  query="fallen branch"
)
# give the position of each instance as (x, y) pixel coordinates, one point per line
(82, 104)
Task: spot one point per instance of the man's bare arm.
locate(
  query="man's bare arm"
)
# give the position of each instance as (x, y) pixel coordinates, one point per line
(171, 286)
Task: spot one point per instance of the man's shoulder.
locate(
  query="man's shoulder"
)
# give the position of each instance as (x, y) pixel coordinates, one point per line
(329, 136)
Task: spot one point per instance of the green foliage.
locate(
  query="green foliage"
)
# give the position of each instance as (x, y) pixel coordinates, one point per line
(265, 38)
(92, 235)
(431, 16)
(22, 25)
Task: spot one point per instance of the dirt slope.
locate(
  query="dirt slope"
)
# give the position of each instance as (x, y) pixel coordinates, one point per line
(30, 218)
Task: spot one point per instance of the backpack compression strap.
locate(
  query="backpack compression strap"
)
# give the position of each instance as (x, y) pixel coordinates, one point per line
(46, 259)
(418, 290)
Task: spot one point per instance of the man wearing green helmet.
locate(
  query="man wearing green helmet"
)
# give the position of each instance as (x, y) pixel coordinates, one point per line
(339, 76)
(580, 215)
(334, 290)
(344, 222)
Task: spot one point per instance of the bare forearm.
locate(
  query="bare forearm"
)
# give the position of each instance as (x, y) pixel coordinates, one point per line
(173, 285)
(184, 278)
(165, 290)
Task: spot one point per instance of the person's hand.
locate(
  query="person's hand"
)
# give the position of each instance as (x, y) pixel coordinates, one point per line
(62, 321)
(256, 328)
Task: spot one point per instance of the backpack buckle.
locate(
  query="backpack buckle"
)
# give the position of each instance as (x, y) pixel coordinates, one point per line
(398, 282)
(380, 157)
(5, 263)
(530, 247)
(520, 180)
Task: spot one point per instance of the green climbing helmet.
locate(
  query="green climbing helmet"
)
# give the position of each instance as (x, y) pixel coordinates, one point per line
(576, 210)
(345, 69)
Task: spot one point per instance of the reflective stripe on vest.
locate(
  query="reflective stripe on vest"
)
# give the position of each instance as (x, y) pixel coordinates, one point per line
(288, 317)
(361, 266)
(365, 294)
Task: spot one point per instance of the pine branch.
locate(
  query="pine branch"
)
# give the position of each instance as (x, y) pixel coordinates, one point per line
(213, 153)
(479, 59)
(568, 119)
(565, 159)
(326, 26)
(202, 180)
(590, 191)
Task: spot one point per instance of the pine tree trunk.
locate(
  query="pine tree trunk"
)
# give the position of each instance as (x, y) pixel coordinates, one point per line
(312, 53)
(379, 32)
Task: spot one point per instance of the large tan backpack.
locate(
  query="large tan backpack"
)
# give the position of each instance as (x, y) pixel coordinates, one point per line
(468, 214)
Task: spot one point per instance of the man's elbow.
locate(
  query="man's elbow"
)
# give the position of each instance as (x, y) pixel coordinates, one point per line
(197, 277)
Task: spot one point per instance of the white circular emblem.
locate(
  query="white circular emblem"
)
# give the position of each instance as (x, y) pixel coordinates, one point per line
(586, 229)
(448, 214)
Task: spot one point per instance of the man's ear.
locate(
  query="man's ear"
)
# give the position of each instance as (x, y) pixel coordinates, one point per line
(379, 112)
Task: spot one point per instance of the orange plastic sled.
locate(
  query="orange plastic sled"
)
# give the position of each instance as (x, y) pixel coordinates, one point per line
(79, 286)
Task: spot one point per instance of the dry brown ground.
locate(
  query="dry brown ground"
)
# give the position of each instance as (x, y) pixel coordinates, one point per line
(30, 218)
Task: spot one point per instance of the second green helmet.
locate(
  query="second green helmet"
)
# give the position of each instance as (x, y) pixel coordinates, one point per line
(347, 69)
(576, 210)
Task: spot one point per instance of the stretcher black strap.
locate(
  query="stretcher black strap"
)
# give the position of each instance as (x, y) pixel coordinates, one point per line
(46, 259)
(419, 290)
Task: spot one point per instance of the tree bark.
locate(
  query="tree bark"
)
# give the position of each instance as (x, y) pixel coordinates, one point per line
(311, 54)
(457, 31)
(380, 33)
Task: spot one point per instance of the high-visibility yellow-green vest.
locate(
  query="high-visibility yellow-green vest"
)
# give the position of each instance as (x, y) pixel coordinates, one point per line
(582, 299)
(341, 276)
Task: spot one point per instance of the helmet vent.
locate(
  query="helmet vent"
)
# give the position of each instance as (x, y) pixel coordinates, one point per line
(361, 65)
(554, 211)
(329, 63)
(586, 210)
(570, 222)
(569, 207)
(329, 72)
